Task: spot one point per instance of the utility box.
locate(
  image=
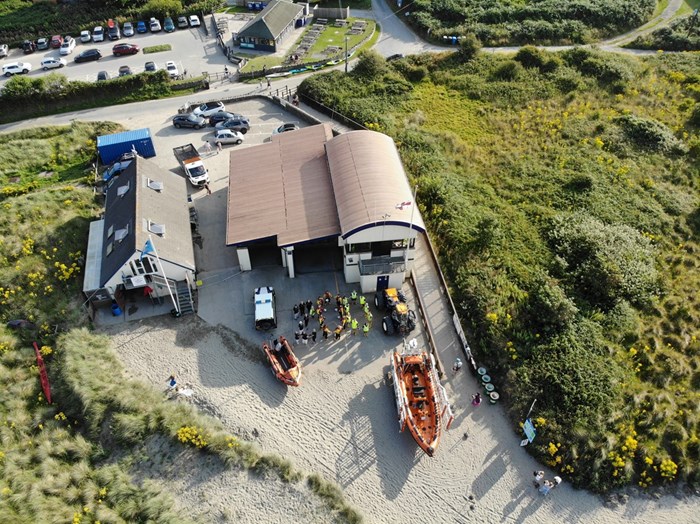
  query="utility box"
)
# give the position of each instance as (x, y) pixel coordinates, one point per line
(111, 147)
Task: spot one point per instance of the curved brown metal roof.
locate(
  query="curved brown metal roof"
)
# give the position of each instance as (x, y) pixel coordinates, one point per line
(369, 182)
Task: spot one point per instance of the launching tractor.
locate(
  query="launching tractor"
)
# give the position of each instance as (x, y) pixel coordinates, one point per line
(399, 319)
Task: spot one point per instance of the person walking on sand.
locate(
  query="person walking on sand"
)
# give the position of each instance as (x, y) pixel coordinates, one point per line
(457, 366)
(172, 383)
(539, 475)
(476, 399)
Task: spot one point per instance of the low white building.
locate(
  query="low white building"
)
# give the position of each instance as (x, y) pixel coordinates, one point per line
(307, 187)
(143, 204)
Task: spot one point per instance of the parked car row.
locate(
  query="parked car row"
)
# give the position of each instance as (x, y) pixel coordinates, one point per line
(215, 115)
(98, 34)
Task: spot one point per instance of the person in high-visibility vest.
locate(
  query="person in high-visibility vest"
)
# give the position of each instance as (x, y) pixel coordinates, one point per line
(353, 297)
(368, 316)
(363, 301)
(353, 324)
(365, 329)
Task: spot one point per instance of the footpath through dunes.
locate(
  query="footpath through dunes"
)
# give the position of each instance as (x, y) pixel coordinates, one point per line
(341, 422)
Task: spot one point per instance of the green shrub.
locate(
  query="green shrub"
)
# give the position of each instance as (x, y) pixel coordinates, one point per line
(469, 47)
(370, 64)
(606, 263)
(650, 134)
(161, 8)
(508, 71)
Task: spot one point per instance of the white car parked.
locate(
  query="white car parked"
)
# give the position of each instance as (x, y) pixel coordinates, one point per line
(52, 63)
(171, 68)
(226, 136)
(85, 36)
(194, 21)
(4, 50)
(209, 108)
(16, 68)
(67, 46)
(98, 34)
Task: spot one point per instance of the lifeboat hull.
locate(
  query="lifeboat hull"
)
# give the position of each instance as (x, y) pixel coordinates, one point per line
(284, 364)
(415, 391)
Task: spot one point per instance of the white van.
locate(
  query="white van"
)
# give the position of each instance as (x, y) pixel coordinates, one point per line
(98, 34)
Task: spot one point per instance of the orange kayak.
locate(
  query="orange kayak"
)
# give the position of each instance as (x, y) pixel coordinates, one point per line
(283, 362)
(415, 388)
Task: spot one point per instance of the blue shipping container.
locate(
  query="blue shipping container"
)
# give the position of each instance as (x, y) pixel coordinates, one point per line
(111, 147)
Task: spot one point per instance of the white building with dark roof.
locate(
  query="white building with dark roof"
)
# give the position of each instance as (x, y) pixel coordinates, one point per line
(143, 204)
(349, 193)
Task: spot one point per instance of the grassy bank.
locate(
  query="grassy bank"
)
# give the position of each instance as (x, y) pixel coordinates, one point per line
(561, 192)
(682, 34)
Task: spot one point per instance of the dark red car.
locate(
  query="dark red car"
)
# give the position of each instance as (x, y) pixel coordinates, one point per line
(56, 41)
(125, 49)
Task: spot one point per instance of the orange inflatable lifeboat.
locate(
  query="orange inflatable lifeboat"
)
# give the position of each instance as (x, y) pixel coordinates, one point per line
(418, 398)
(284, 364)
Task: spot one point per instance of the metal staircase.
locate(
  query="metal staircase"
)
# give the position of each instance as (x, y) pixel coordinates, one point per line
(184, 298)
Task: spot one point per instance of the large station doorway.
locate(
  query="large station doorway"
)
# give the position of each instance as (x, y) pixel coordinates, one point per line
(318, 256)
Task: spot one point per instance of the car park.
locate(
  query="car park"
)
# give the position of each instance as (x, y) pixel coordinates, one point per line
(194, 21)
(85, 36)
(102, 75)
(125, 49)
(52, 63)
(150, 67)
(67, 46)
(113, 32)
(227, 136)
(42, 44)
(125, 70)
(172, 69)
(209, 108)
(16, 68)
(154, 25)
(89, 55)
(141, 27)
(182, 22)
(221, 116)
(235, 124)
(56, 41)
(189, 120)
(128, 29)
(168, 25)
(4, 49)
(28, 47)
(98, 34)
(284, 128)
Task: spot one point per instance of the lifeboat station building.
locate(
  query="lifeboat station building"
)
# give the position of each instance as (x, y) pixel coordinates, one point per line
(346, 197)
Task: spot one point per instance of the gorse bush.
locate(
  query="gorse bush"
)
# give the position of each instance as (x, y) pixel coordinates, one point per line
(502, 22)
(604, 263)
(651, 135)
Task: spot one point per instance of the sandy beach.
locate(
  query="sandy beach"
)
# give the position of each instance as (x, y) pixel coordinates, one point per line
(342, 423)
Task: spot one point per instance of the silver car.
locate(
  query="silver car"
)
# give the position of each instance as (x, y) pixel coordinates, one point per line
(52, 63)
(227, 136)
(128, 29)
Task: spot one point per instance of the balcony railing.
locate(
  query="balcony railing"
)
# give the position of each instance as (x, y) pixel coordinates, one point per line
(382, 265)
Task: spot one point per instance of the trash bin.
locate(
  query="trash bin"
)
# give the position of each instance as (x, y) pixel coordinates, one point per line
(116, 310)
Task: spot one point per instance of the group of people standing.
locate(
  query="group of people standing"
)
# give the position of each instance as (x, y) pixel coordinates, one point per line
(545, 486)
(306, 311)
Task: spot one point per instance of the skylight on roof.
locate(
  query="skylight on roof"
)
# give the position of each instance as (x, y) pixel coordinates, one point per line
(158, 229)
(120, 234)
(156, 185)
(122, 190)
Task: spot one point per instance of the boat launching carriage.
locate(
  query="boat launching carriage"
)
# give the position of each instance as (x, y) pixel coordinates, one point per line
(283, 362)
(421, 401)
